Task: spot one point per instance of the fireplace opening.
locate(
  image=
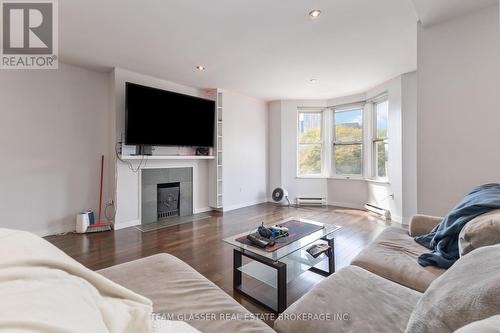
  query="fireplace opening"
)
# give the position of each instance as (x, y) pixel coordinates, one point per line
(168, 200)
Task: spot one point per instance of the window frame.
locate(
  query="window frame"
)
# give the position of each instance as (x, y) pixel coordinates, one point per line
(375, 139)
(334, 174)
(321, 143)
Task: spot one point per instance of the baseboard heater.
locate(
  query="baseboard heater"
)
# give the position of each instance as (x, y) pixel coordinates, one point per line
(384, 213)
(302, 201)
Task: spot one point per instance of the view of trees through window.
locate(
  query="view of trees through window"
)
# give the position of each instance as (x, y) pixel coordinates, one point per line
(310, 143)
(381, 146)
(348, 144)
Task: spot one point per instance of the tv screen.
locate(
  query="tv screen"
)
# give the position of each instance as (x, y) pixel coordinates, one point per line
(157, 117)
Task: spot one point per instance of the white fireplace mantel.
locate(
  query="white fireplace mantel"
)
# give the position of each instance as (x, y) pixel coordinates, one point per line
(128, 183)
(166, 157)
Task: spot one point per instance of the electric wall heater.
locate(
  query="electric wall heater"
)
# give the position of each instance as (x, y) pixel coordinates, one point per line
(304, 201)
(384, 213)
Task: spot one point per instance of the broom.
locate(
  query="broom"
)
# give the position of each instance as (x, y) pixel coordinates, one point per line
(100, 225)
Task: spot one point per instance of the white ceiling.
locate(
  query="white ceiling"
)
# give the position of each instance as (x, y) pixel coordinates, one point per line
(431, 12)
(268, 49)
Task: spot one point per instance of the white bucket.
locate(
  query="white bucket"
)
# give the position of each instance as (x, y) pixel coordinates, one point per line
(83, 222)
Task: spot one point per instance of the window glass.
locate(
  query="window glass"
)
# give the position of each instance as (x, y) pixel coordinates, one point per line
(349, 126)
(310, 148)
(309, 127)
(381, 156)
(310, 159)
(380, 140)
(348, 144)
(382, 119)
(348, 160)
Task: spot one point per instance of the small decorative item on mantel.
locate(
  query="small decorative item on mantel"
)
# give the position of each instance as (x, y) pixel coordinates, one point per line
(202, 151)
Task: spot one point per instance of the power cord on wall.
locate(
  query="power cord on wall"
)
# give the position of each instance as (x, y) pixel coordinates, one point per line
(106, 215)
(141, 165)
(384, 199)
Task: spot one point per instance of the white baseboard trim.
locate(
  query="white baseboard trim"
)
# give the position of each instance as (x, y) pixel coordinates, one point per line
(128, 224)
(406, 220)
(347, 205)
(202, 210)
(55, 231)
(243, 205)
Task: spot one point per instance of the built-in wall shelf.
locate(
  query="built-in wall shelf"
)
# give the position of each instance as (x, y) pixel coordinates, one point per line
(166, 157)
(216, 198)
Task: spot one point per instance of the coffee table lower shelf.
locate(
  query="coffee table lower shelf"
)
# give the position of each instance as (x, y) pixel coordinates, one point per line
(277, 274)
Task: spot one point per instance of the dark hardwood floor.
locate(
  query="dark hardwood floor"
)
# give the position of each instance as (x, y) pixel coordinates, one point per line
(200, 244)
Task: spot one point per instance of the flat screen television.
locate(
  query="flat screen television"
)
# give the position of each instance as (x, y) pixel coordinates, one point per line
(158, 117)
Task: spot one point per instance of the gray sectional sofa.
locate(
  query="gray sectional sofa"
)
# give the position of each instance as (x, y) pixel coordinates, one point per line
(385, 290)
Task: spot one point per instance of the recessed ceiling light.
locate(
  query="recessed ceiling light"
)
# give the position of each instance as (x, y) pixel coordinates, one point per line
(201, 67)
(313, 80)
(315, 13)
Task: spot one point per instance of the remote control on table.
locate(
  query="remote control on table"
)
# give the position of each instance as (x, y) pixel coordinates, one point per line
(258, 240)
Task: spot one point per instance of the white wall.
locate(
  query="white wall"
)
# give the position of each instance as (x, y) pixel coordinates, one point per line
(274, 146)
(53, 131)
(350, 193)
(458, 108)
(409, 145)
(245, 151)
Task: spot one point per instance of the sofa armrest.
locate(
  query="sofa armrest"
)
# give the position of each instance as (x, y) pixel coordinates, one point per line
(423, 224)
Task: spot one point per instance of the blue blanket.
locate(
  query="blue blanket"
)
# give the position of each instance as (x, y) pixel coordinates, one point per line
(443, 239)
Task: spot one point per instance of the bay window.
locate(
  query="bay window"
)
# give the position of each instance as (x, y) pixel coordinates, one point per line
(356, 149)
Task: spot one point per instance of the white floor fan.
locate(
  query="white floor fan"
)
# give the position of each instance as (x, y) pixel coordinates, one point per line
(280, 196)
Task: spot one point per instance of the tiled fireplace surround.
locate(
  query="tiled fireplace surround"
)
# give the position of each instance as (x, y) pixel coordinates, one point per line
(150, 180)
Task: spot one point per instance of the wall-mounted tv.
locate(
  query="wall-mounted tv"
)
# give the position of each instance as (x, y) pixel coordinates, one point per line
(158, 117)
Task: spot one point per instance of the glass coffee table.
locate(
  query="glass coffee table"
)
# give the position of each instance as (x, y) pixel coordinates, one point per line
(278, 267)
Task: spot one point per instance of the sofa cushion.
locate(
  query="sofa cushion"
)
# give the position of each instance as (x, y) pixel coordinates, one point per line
(422, 224)
(488, 325)
(393, 255)
(482, 231)
(469, 291)
(179, 292)
(44, 290)
(357, 301)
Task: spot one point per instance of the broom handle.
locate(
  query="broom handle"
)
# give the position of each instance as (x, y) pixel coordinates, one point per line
(100, 191)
